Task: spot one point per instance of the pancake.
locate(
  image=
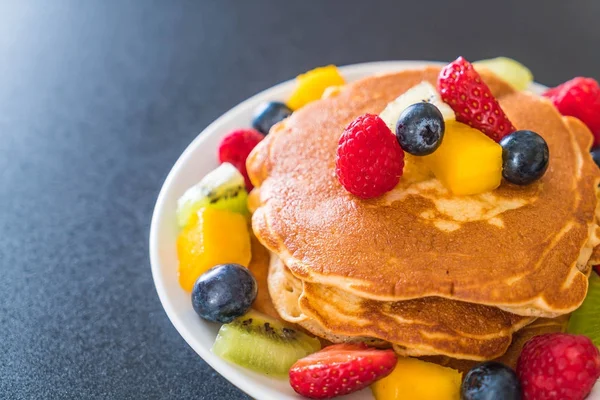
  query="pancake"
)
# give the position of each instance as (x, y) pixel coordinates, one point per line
(539, 327)
(416, 327)
(259, 266)
(522, 249)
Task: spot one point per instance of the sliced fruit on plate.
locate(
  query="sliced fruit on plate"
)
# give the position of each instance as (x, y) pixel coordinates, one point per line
(222, 188)
(558, 366)
(420, 129)
(586, 319)
(212, 237)
(235, 147)
(269, 114)
(224, 293)
(579, 98)
(340, 369)
(467, 162)
(263, 344)
(525, 157)
(512, 71)
(311, 85)
(369, 160)
(418, 380)
(472, 100)
(491, 380)
(423, 92)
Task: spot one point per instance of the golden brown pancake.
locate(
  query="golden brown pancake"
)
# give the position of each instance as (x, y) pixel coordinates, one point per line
(431, 325)
(259, 266)
(520, 250)
(263, 303)
(539, 327)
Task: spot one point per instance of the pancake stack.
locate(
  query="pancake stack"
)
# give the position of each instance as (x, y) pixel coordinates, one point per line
(427, 272)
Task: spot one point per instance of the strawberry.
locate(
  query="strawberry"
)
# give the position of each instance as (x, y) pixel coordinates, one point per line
(340, 369)
(471, 99)
(580, 98)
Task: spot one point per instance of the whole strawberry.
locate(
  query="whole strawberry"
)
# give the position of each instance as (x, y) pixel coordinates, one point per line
(558, 366)
(580, 98)
(235, 147)
(340, 369)
(471, 99)
(369, 160)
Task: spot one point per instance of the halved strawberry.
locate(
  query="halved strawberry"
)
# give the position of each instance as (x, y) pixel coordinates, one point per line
(340, 369)
(471, 99)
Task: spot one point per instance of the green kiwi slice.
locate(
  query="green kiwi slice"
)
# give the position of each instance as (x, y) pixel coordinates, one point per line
(263, 344)
(222, 188)
(586, 319)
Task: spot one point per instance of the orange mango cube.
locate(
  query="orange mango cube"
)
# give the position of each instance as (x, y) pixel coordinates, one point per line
(467, 162)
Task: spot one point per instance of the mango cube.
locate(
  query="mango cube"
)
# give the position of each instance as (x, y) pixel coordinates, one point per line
(211, 238)
(311, 85)
(418, 380)
(467, 162)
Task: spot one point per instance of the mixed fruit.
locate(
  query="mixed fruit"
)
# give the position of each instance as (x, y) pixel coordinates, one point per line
(461, 134)
(459, 129)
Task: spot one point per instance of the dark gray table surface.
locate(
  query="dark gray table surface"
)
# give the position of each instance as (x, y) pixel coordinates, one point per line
(97, 101)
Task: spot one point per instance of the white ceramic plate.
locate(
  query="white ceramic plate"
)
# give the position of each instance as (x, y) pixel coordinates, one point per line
(196, 161)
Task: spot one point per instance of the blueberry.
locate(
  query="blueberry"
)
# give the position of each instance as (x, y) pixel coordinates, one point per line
(224, 293)
(525, 157)
(420, 129)
(268, 115)
(490, 381)
(596, 155)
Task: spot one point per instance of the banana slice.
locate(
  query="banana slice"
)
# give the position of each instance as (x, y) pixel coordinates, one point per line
(424, 91)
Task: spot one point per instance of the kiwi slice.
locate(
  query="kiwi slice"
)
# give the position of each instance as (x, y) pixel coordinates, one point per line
(586, 319)
(222, 188)
(263, 344)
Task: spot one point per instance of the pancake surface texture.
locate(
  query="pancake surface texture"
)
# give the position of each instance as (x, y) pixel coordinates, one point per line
(428, 326)
(523, 249)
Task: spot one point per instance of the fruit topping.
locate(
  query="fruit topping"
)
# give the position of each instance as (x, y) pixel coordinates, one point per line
(467, 162)
(471, 99)
(263, 344)
(525, 157)
(418, 380)
(212, 237)
(513, 72)
(586, 319)
(580, 98)
(224, 293)
(423, 92)
(235, 147)
(369, 160)
(311, 85)
(268, 115)
(340, 369)
(491, 380)
(558, 366)
(420, 129)
(222, 188)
